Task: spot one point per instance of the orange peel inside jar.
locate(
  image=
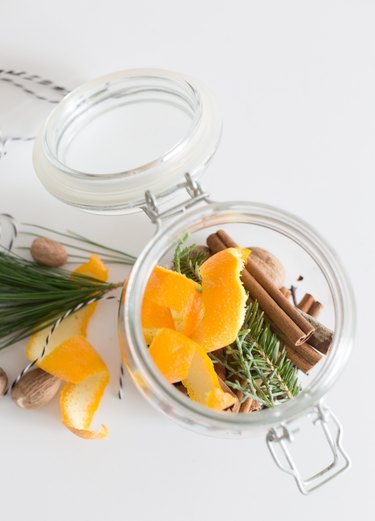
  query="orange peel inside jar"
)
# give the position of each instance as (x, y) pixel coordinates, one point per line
(179, 358)
(210, 316)
(180, 296)
(223, 297)
(71, 357)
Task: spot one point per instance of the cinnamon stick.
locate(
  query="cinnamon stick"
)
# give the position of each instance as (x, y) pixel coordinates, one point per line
(309, 305)
(322, 337)
(286, 292)
(250, 405)
(280, 311)
(315, 309)
(306, 302)
(305, 357)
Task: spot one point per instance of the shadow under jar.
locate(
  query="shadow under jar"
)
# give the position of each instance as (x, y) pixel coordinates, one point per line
(164, 185)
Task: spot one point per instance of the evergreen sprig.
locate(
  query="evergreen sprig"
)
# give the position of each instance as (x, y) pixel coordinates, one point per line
(33, 297)
(256, 363)
(188, 259)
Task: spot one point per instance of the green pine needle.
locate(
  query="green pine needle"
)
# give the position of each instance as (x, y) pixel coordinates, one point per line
(187, 260)
(256, 363)
(33, 297)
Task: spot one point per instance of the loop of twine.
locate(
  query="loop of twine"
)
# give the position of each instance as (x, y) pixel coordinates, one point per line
(16, 78)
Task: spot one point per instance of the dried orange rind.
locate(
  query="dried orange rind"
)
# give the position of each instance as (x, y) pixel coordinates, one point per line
(97, 269)
(172, 353)
(94, 268)
(71, 357)
(73, 360)
(79, 402)
(181, 295)
(154, 317)
(224, 299)
(90, 435)
(202, 383)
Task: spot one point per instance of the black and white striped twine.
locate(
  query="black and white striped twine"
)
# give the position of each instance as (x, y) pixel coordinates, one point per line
(48, 339)
(15, 78)
(23, 80)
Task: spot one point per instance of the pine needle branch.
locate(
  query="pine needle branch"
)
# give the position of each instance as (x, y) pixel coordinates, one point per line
(187, 260)
(33, 296)
(256, 363)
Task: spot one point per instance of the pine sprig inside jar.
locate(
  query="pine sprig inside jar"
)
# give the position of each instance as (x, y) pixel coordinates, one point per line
(256, 363)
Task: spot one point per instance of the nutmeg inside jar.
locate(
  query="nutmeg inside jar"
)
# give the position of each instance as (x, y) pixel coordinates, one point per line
(309, 266)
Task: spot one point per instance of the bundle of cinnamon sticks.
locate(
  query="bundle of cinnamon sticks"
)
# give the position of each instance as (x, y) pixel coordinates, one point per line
(310, 306)
(304, 337)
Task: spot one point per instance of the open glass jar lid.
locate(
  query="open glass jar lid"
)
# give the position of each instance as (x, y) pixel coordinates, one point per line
(130, 141)
(114, 138)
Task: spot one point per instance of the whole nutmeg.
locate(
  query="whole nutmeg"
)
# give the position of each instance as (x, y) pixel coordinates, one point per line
(269, 264)
(35, 389)
(3, 381)
(48, 252)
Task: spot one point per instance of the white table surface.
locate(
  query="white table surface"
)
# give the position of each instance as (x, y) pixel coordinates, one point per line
(296, 82)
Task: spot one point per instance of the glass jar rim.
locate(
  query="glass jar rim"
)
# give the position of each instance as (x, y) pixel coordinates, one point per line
(278, 220)
(123, 191)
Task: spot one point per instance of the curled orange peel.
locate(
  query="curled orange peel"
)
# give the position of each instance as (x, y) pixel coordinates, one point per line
(224, 299)
(171, 294)
(90, 435)
(71, 357)
(202, 383)
(179, 358)
(154, 317)
(172, 353)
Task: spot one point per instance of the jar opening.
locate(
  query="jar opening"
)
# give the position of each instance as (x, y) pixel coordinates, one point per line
(123, 125)
(301, 247)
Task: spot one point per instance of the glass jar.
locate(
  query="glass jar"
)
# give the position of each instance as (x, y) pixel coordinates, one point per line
(119, 188)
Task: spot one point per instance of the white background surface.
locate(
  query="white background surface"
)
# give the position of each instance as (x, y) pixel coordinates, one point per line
(296, 82)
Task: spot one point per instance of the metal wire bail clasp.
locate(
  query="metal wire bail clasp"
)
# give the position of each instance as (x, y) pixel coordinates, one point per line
(190, 185)
(280, 439)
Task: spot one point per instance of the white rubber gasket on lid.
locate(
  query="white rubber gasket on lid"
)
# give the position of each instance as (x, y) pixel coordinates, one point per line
(124, 191)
